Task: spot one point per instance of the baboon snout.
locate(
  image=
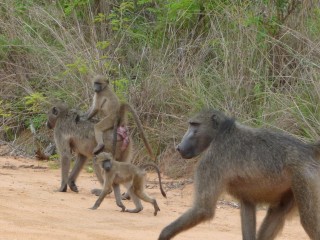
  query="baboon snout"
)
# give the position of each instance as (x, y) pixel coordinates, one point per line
(178, 147)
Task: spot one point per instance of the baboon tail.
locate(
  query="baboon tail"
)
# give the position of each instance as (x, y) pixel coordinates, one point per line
(141, 131)
(159, 176)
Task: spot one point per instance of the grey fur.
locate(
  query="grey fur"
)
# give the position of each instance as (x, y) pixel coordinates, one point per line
(254, 165)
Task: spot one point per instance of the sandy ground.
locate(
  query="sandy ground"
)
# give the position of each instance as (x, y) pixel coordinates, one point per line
(31, 209)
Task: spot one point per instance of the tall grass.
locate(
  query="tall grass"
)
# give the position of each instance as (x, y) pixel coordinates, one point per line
(256, 61)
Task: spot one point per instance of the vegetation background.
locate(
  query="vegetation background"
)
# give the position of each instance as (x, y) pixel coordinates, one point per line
(256, 60)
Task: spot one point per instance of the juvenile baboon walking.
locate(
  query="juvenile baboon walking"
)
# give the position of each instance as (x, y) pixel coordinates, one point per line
(106, 103)
(74, 136)
(133, 177)
(255, 166)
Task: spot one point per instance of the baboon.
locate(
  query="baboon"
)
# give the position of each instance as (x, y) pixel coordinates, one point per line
(255, 165)
(133, 177)
(74, 136)
(106, 103)
(114, 115)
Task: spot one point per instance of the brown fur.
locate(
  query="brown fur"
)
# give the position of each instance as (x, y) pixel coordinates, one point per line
(254, 165)
(106, 104)
(73, 136)
(133, 177)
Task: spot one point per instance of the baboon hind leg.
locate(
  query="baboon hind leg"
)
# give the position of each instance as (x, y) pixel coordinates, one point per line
(275, 218)
(99, 128)
(80, 161)
(142, 195)
(136, 202)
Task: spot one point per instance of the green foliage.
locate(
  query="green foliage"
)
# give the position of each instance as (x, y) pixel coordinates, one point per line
(10, 46)
(78, 66)
(313, 22)
(121, 86)
(248, 58)
(69, 6)
(122, 16)
(103, 44)
(182, 10)
(34, 101)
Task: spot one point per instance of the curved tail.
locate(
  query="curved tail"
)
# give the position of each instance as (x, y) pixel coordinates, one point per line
(139, 125)
(159, 176)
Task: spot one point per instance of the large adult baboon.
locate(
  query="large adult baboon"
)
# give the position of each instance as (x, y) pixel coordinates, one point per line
(72, 135)
(255, 166)
(133, 177)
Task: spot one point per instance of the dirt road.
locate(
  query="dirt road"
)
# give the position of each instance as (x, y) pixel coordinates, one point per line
(31, 209)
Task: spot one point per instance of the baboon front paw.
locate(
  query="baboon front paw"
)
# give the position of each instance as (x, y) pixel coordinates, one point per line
(94, 208)
(73, 186)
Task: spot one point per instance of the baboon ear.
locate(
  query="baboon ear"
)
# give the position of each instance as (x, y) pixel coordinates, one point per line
(215, 121)
(55, 111)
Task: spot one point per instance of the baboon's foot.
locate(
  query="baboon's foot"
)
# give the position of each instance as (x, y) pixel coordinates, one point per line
(73, 186)
(98, 148)
(96, 191)
(136, 210)
(125, 196)
(156, 208)
(123, 208)
(63, 188)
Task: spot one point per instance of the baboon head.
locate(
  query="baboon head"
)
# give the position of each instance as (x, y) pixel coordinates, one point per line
(54, 113)
(203, 128)
(100, 83)
(105, 159)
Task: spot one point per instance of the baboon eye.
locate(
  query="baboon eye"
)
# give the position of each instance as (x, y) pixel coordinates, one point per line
(194, 124)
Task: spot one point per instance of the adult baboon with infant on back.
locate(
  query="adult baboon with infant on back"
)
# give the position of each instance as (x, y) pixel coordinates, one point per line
(74, 136)
(255, 166)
